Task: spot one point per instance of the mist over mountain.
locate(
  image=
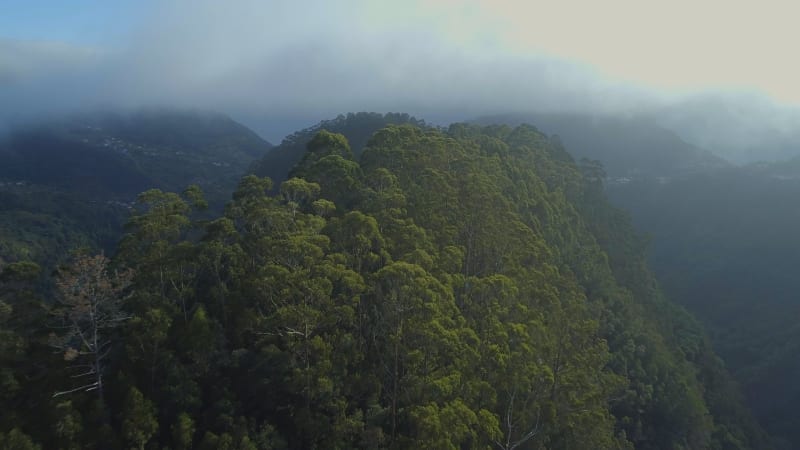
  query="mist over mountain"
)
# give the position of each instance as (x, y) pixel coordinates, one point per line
(116, 155)
(484, 224)
(741, 128)
(420, 60)
(628, 147)
(305, 66)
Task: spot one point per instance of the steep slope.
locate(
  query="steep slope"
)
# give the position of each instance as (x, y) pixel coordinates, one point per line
(460, 289)
(627, 147)
(725, 245)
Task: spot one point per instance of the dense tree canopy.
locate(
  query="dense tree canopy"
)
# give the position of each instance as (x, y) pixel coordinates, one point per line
(467, 288)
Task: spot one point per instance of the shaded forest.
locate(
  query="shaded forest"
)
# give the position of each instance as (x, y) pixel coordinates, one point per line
(724, 244)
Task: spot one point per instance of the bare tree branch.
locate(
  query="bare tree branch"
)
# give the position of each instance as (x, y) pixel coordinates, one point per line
(90, 300)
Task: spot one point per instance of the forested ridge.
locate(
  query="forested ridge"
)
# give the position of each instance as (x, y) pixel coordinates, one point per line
(459, 288)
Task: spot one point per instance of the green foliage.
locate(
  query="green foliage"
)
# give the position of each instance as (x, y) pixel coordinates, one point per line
(42, 225)
(71, 183)
(138, 419)
(358, 129)
(183, 432)
(447, 290)
(17, 440)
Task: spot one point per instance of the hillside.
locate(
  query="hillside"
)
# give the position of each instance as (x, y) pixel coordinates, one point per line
(467, 288)
(725, 246)
(72, 182)
(112, 156)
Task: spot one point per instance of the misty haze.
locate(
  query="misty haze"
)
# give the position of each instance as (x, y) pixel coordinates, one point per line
(425, 224)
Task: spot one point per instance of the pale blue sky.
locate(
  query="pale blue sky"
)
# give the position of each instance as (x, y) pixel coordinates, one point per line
(78, 22)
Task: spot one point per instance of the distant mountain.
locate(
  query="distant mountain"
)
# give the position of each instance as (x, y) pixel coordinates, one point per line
(116, 156)
(627, 147)
(358, 128)
(740, 127)
(71, 182)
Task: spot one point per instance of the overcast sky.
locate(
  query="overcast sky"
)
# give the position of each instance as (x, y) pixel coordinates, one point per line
(286, 61)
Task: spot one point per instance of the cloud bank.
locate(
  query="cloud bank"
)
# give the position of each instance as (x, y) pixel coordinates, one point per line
(282, 62)
(298, 60)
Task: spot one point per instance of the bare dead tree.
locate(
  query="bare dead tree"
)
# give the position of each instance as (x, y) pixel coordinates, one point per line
(89, 305)
(511, 424)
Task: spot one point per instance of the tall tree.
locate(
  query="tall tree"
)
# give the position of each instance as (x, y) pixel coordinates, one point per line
(90, 305)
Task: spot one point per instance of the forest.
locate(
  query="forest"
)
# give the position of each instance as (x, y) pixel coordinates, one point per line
(471, 224)
(443, 288)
